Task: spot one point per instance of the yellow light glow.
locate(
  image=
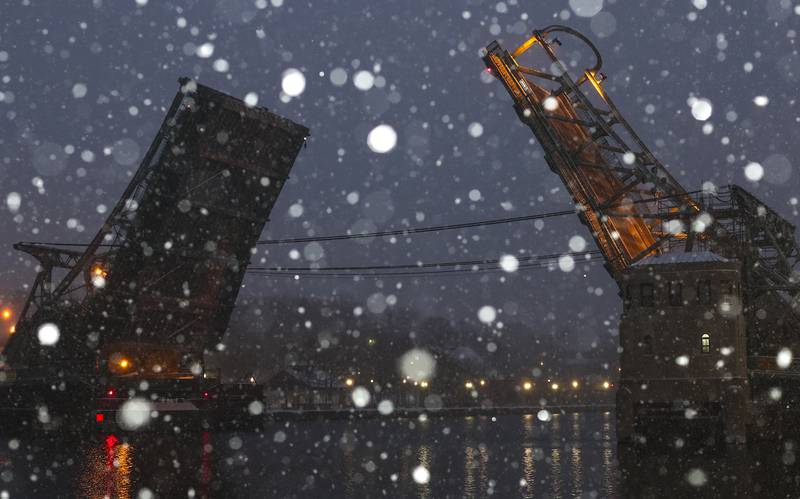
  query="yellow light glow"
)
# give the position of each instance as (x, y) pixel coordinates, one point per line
(483, 382)
(124, 363)
(606, 385)
(525, 46)
(527, 386)
(423, 384)
(575, 384)
(554, 386)
(349, 382)
(12, 329)
(468, 385)
(6, 314)
(596, 84)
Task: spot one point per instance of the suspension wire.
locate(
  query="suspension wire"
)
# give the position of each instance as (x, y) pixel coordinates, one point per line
(398, 232)
(422, 273)
(430, 268)
(363, 235)
(419, 230)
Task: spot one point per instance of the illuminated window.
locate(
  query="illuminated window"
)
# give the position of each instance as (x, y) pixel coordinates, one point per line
(705, 343)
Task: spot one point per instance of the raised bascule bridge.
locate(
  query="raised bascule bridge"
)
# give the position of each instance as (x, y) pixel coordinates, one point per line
(708, 279)
(155, 287)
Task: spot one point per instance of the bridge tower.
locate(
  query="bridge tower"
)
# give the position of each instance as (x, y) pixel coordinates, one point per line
(155, 287)
(708, 278)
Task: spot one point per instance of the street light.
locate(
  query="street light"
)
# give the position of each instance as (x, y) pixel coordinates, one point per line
(575, 383)
(527, 386)
(349, 382)
(6, 314)
(423, 384)
(483, 382)
(468, 385)
(606, 385)
(554, 386)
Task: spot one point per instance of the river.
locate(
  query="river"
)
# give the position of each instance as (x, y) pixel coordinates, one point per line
(569, 455)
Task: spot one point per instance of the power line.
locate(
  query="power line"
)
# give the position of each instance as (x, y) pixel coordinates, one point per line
(419, 230)
(533, 262)
(364, 235)
(437, 228)
(403, 232)
(412, 266)
(425, 273)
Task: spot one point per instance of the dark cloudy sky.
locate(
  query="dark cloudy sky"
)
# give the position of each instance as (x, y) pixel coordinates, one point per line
(83, 87)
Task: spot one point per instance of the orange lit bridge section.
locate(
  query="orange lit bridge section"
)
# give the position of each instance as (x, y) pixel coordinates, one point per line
(632, 205)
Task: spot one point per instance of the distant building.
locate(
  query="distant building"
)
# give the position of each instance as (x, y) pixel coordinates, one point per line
(306, 389)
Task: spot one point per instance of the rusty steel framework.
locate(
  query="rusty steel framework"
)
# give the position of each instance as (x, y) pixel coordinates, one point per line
(632, 205)
(167, 265)
(611, 174)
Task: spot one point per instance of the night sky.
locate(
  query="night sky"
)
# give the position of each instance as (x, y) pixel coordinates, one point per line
(84, 85)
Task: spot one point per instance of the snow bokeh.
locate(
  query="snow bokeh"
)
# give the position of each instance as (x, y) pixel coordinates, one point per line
(382, 139)
(134, 414)
(293, 82)
(48, 334)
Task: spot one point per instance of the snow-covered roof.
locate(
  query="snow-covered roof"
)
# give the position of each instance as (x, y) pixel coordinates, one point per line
(680, 257)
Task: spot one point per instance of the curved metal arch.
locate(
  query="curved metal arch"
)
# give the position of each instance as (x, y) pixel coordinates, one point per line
(566, 29)
(539, 36)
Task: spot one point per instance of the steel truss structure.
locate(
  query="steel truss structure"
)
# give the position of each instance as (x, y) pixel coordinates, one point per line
(633, 207)
(167, 265)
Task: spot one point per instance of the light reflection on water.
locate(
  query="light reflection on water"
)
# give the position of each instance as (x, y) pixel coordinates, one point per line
(576, 466)
(504, 456)
(573, 455)
(107, 470)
